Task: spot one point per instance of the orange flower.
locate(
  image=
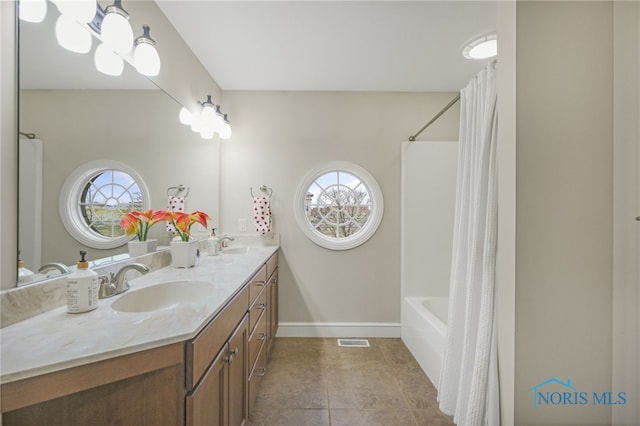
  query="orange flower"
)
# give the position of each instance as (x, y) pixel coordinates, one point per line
(136, 222)
(182, 222)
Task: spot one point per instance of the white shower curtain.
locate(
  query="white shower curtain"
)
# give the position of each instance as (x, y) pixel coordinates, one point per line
(468, 388)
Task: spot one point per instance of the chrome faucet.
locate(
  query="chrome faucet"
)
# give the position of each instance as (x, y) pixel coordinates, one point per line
(54, 265)
(118, 284)
(224, 240)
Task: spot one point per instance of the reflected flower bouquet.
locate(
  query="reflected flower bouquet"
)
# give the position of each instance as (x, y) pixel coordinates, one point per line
(139, 223)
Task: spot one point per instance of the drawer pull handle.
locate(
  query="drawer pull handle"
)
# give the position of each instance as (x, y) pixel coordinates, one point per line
(263, 336)
(262, 306)
(232, 354)
(274, 280)
(260, 283)
(263, 373)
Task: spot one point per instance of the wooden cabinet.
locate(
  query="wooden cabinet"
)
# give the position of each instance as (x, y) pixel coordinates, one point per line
(211, 379)
(219, 399)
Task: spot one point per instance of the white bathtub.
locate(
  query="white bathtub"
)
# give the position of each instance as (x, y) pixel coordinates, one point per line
(423, 331)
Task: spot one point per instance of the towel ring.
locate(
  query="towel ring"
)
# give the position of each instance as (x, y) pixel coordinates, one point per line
(264, 189)
(178, 191)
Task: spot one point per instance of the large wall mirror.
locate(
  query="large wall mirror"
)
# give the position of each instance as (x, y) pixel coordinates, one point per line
(80, 116)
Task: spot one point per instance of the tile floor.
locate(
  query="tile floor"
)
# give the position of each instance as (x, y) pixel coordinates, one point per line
(313, 382)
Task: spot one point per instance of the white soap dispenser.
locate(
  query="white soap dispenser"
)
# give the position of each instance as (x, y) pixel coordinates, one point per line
(213, 244)
(24, 275)
(82, 288)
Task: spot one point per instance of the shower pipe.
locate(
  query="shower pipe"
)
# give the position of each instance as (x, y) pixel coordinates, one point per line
(442, 111)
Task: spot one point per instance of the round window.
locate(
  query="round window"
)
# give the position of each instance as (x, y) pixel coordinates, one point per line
(339, 206)
(95, 196)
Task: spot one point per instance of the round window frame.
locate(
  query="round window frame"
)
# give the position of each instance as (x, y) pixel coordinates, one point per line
(70, 197)
(370, 227)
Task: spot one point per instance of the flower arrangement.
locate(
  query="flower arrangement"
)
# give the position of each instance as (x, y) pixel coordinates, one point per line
(182, 222)
(139, 223)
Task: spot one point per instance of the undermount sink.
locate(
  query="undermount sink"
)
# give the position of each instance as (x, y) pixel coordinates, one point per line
(236, 250)
(163, 296)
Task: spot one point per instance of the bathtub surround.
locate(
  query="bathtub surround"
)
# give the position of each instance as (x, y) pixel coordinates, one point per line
(468, 385)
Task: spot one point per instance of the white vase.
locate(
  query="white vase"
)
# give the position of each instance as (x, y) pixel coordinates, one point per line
(183, 253)
(138, 248)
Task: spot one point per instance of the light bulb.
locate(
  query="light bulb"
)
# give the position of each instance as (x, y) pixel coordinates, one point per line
(196, 123)
(72, 36)
(32, 10)
(80, 10)
(116, 31)
(107, 61)
(185, 116)
(209, 115)
(225, 129)
(206, 133)
(145, 55)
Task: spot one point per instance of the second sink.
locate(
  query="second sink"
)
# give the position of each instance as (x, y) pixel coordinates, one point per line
(163, 296)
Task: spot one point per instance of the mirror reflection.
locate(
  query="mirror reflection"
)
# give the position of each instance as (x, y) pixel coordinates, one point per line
(79, 115)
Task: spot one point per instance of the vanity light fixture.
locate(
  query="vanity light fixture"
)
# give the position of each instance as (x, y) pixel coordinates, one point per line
(107, 61)
(185, 116)
(116, 30)
(71, 35)
(225, 129)
(145, 55)
(32, 10)
(484, 47)
(82, 11)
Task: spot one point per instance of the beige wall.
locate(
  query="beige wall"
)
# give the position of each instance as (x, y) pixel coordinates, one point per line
(626, 278)
(137, 127)
(564, 180)
(278, 137)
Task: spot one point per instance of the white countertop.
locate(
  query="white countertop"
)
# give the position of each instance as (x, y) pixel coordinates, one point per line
(56, 340)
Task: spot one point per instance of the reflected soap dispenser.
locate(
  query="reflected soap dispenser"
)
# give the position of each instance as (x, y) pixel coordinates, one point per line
(82, 288)
(213, 244)
(24, 275)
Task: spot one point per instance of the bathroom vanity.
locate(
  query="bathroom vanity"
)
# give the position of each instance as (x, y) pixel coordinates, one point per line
(195, 363)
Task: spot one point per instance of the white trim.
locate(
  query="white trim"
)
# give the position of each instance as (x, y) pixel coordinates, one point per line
(338, 329)
(370, 227)
(71, 192)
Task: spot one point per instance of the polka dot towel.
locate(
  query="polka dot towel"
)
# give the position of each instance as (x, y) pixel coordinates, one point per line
(262, 215)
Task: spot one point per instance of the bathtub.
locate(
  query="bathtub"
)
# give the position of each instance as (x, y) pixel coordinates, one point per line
(423, 331)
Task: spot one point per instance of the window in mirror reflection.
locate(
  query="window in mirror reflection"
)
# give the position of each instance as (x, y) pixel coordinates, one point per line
(95, 196)
(106, 197)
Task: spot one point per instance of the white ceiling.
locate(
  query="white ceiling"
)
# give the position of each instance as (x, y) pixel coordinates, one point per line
(333, 45)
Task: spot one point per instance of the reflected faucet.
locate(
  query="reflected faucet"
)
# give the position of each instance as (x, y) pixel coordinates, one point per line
(224, 240)
(54, 265)
(118, 284)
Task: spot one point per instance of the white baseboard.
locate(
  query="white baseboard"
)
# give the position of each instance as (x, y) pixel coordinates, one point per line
(335, 329)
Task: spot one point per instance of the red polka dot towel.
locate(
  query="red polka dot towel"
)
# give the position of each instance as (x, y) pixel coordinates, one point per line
(262, 214)
(174, 204)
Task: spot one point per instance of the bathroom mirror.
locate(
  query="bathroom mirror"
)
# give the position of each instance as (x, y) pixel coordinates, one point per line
(81, 115)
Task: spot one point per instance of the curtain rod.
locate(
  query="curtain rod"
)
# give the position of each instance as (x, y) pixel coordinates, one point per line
(442, 111)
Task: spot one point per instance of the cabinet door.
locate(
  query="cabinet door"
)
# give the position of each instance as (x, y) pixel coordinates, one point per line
(239, 374)
(207, 403)
(272, 310)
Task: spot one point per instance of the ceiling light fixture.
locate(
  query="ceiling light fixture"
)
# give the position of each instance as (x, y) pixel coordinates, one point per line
(32, 10)
(145, 55)
(484, 47)
(116, 30)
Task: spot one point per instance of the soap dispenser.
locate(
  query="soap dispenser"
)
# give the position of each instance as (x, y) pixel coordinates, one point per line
(24, 275)
(213, 244)
(82, 288)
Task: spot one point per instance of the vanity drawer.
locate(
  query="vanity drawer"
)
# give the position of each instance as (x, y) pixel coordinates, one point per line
(204, 347)
(258, 373)
(272, 264)
(257, 283)
(256, 341)
(257, 309)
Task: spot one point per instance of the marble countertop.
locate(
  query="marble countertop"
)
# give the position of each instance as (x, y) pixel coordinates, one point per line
(56, 340)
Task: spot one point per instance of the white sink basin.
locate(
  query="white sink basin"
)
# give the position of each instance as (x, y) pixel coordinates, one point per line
(163, 296)
(236, 250)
